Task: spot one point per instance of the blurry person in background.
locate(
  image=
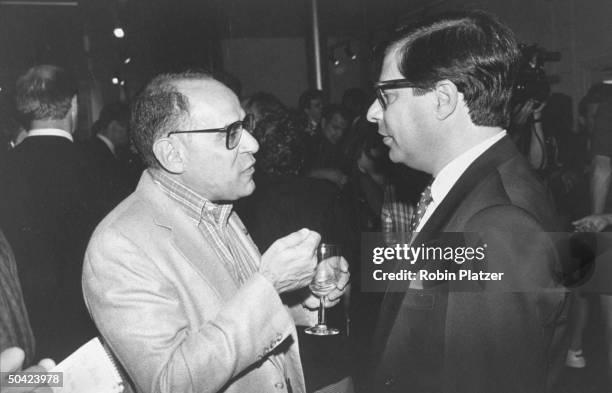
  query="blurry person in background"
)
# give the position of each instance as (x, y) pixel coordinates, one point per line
(110, 131)
(310, 104)
(106, 151)
(597, 221)
(326, 158)
(262, 105)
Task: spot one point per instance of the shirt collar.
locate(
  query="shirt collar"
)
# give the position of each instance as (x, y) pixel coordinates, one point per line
(448, 176)
(107, 142)
(50, 132)
(196, 206)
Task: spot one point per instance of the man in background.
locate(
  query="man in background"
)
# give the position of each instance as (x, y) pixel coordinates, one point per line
(44, 210)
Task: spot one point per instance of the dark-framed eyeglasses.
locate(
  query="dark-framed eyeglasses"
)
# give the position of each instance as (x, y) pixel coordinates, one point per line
(233, 132)
(381, 86)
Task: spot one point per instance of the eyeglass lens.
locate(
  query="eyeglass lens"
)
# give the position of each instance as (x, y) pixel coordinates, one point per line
(382, 98)
(235, 130)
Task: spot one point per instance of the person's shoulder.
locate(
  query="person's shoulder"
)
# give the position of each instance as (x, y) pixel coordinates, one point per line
(516, 191)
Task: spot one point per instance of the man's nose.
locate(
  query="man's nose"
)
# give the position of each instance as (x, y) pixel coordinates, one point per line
(248, 144)
(374, 112)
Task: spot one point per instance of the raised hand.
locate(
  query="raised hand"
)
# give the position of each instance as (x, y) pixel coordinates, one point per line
(289, 263)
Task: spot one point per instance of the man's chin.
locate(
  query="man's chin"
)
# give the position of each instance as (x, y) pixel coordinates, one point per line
(249, 188)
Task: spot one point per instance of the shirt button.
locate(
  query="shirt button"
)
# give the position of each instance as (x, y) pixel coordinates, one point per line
(279, 385)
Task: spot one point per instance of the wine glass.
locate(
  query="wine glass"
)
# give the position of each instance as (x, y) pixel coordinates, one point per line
(323, 282)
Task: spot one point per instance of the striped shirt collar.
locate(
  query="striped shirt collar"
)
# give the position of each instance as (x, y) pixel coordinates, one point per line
(196, 206)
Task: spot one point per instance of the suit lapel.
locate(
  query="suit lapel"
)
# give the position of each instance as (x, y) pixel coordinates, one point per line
(488, 162)
(190, 242)
(187, 238)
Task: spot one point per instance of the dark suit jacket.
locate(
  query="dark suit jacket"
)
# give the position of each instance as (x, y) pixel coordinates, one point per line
(47, 221)
(496, 336)
(109, 177)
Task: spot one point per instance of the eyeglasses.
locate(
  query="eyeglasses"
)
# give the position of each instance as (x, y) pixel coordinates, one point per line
(233, 132)
(380, 88)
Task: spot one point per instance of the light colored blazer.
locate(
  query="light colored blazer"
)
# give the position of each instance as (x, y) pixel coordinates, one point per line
(172, 314)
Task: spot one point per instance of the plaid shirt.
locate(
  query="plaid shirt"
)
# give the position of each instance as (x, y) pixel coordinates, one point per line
(213, 221)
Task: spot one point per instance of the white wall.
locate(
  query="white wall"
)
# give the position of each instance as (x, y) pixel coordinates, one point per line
(274, 65)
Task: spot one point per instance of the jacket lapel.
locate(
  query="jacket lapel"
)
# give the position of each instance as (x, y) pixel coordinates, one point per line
(187, 238)
(488, 162)
(190, 242)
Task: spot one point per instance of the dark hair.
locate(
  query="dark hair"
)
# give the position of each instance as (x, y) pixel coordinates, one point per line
(44, 92)
(264, 103)
(307, 96)
(281, 143)
(473, 50)
(158, 109)
(331, 110)
(116, 111)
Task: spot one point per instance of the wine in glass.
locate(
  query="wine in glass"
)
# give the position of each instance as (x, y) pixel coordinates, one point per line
(323, 282)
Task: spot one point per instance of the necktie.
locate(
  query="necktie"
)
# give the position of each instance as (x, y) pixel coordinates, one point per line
(421, 208)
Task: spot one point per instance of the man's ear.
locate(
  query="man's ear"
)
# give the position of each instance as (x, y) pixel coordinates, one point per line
(73, 113)
(446, 99)
(170, 155)
(74, 106)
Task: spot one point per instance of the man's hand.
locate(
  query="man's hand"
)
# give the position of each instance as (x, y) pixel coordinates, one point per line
(11, 360)
(343, 278)
(593, 223)
(289, 263)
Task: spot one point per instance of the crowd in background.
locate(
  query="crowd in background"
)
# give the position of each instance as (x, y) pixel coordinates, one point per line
(320, 165)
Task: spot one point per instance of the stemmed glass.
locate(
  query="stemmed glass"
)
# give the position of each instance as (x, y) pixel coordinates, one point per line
(323, 282)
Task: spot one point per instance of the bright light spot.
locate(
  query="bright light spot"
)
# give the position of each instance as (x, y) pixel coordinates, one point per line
(115, 80)
(122, 83)
(127, 60)
(118, 32)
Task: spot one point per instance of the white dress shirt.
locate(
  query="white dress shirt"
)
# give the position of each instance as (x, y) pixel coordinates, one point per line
(50, 132)
(448, 176)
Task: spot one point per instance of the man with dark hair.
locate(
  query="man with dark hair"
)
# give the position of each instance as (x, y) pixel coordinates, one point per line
(442, 106)
(172, 279)
(111, 129)
(311, 105)
(43, 210)
(106, 151)
(325, 158)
